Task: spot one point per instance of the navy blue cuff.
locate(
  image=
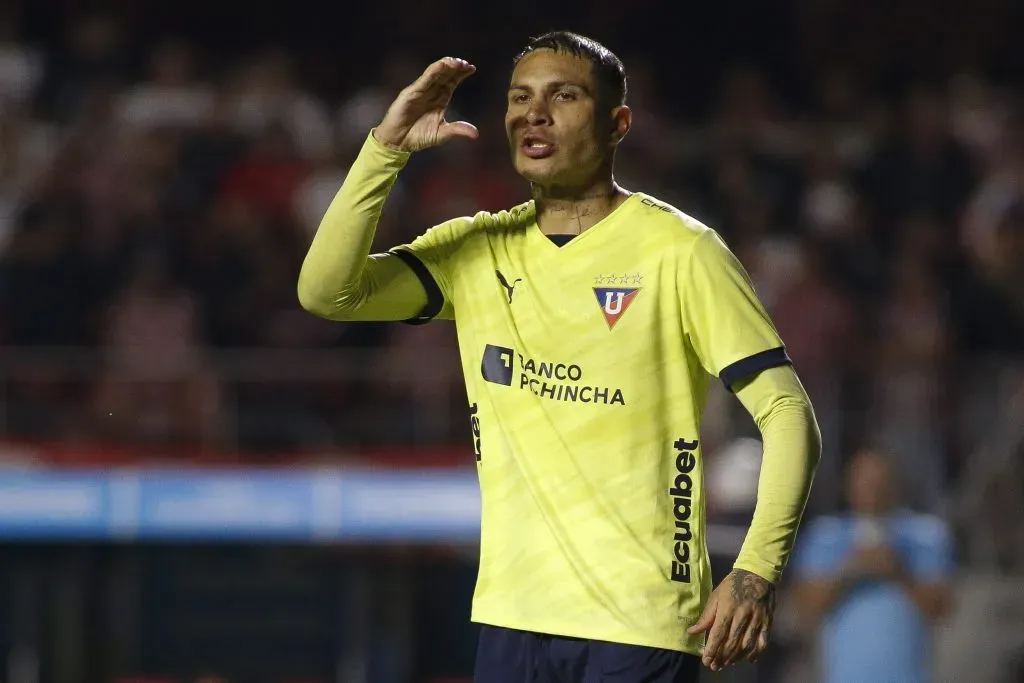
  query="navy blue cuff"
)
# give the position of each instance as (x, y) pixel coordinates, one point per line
(752, 365)
(435, 298)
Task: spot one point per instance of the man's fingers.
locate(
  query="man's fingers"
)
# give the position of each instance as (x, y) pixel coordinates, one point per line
(443, 72)
(707, 617)
(429, 76)
(716, 641)
(457, 129)
(761, 644)
(750, 637)
(453, 72)
(747, 645)
(462, 70)
(733, 648)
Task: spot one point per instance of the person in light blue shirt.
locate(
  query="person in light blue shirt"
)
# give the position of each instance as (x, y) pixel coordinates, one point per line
(873, 580)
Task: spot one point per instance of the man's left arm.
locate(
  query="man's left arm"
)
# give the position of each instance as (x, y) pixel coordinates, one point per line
(734, 338)
(740, 612)
(782, 412)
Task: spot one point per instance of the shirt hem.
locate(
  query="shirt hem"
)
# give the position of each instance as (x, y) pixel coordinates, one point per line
(568, 631)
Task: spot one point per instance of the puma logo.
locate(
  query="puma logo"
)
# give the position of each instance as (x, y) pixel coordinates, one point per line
(510, 288)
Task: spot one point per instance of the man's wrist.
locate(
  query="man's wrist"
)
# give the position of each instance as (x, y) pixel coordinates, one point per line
(387, 140)
(758, 568)
(755, 576)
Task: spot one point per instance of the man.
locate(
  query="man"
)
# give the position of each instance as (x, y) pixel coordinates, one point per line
(873, 580)
(589, 319)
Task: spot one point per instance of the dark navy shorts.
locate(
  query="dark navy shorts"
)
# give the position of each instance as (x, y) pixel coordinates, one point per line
(509, 656)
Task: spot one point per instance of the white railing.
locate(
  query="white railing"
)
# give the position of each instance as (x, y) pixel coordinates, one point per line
(418, 400)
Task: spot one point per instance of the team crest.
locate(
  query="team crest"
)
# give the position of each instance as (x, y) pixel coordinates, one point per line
(614, 301)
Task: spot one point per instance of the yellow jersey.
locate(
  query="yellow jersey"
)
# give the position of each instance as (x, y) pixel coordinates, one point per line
(587, 366)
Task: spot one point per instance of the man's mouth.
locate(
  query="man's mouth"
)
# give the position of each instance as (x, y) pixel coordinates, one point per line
(536, 147)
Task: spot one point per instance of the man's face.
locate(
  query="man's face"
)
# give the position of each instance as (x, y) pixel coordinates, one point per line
(552, 120)
(869, 484)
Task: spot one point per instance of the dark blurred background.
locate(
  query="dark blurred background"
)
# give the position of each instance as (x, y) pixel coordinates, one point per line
(164, 165)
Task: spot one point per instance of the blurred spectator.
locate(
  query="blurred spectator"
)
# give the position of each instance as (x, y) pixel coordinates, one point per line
(269, 175)
(172, 95)
(155, 388)
(818, 323)
(829, 202)
(91, 59)
(21, 65)
(425, 395)
(42, 304)
(923, 169)
(978, 118)
(467, 183)
(1000, 190)
(317, 190)
(366, 106)
(913, 350)
(990, 295)
(842, 119)
(870, 582)
(267, 95)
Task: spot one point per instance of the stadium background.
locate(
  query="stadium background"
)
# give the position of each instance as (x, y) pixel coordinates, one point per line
(168, 413)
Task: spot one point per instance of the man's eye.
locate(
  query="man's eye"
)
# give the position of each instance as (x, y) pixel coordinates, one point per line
(518, 99)
(565, 96)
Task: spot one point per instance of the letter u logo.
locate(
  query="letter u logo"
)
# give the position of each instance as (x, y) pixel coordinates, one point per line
(613, 302)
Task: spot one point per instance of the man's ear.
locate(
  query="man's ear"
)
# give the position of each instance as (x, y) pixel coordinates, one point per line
(622, 121)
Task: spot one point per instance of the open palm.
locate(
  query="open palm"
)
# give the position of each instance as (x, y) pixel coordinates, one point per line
(416, 119)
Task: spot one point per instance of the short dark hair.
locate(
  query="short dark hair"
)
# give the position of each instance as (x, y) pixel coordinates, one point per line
(609, 72)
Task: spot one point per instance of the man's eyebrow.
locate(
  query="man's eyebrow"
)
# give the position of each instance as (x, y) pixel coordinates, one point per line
(569, 84)
(552, 86)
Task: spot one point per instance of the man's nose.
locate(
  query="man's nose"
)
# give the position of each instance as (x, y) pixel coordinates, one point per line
(537, 115)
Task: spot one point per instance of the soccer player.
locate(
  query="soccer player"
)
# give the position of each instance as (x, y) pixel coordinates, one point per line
(590, 320)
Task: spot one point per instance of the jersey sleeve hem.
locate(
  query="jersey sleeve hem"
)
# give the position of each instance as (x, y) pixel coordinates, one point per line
(435, 298)
(763, 569)
(392, 157)
(751, 365)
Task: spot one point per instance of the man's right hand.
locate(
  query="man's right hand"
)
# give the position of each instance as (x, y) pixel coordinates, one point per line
(415, 120)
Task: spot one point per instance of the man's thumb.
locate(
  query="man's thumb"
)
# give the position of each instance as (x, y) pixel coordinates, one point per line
(707, 619)
(457, 129)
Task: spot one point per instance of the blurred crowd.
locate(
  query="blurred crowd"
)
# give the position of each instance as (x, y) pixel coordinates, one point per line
(157, 196)
(153, 220)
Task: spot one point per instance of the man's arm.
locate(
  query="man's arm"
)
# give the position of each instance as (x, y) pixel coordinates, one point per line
(740, 612)
(782, 411)
(732, 335)
(339, 279)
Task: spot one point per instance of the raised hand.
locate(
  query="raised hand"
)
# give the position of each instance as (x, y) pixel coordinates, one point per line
(415, 120)
(739, 616)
